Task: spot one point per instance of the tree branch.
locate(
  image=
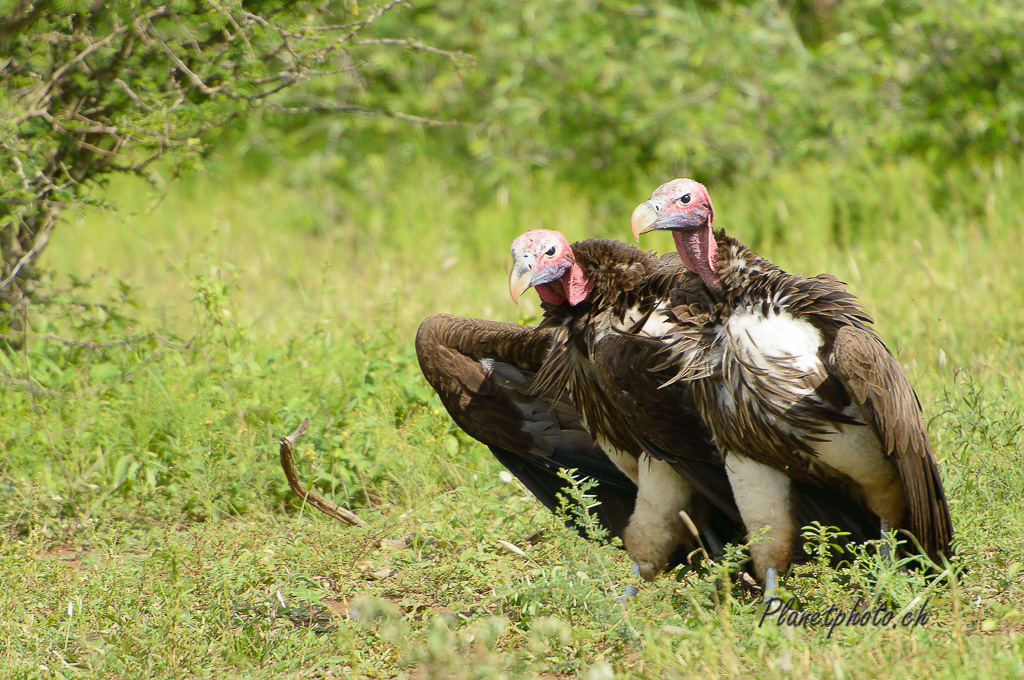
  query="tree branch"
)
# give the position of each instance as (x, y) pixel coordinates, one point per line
(92, 48)
(319, 502)
(332, 108)
(14, 23)
(42, 237)
(111, 90)
(454, 56)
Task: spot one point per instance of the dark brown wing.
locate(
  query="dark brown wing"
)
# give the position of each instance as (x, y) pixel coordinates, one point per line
(667, 422)
(875, 381)
(482, 371)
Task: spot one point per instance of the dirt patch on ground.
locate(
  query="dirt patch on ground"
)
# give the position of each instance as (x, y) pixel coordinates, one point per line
(79, 558)
(336, 605)
(67, 554)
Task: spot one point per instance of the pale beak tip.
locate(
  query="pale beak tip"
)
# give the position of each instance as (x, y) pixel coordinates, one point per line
(518, 282)
(642, 220)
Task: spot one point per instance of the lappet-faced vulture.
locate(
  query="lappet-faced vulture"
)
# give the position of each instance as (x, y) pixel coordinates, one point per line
(795, 386)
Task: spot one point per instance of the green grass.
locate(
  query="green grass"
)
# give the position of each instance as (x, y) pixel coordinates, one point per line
(148, 529)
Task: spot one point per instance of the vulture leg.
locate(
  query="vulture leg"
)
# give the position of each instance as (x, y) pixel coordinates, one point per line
(714, 542)
(857, 453)
(886, 528)
(895, 464)
(763, 497)
(655, 529)
(631, 591)
(771, 583)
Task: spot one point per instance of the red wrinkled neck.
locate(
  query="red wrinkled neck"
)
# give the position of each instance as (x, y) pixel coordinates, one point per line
(699, 252)
(551, 292)
(574, 286)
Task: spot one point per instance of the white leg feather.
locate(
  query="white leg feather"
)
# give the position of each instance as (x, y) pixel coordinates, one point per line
(762, 496)
(655, 529)
(857, 453)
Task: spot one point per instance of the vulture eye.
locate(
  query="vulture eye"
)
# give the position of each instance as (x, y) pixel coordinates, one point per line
(685, 199)
(551, 251)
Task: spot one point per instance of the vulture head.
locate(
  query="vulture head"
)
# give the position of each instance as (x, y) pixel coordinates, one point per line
(542, 259)
(684, 207)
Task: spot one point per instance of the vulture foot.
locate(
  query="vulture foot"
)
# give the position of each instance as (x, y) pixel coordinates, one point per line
(714, 543)
(650, 550)
(771, 582)
(884, 549)
(656, 529)
(631, 591)
(648, 570)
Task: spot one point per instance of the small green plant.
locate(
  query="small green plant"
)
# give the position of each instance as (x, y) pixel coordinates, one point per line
(823, 542)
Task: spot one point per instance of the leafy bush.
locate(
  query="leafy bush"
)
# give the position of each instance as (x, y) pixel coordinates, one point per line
(612, 92)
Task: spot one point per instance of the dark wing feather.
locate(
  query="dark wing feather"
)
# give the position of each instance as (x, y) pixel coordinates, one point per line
(482, 371)
(875, 381)
(833, 507)
(667, 421)
(664, 420)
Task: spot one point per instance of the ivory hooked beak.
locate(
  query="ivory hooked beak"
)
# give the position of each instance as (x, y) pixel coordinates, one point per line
(643, 219)
(519, 280)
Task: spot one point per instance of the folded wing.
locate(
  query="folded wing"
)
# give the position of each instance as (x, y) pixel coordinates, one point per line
(483, 371)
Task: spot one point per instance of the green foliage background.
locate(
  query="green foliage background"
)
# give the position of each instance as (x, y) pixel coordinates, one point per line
(147, 528)
(604, 92)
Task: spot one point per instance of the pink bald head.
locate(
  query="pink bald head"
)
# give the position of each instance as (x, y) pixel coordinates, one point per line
(543, 259)
(684, 207)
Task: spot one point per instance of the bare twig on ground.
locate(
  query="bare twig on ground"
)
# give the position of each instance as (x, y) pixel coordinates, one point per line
(311, 497)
